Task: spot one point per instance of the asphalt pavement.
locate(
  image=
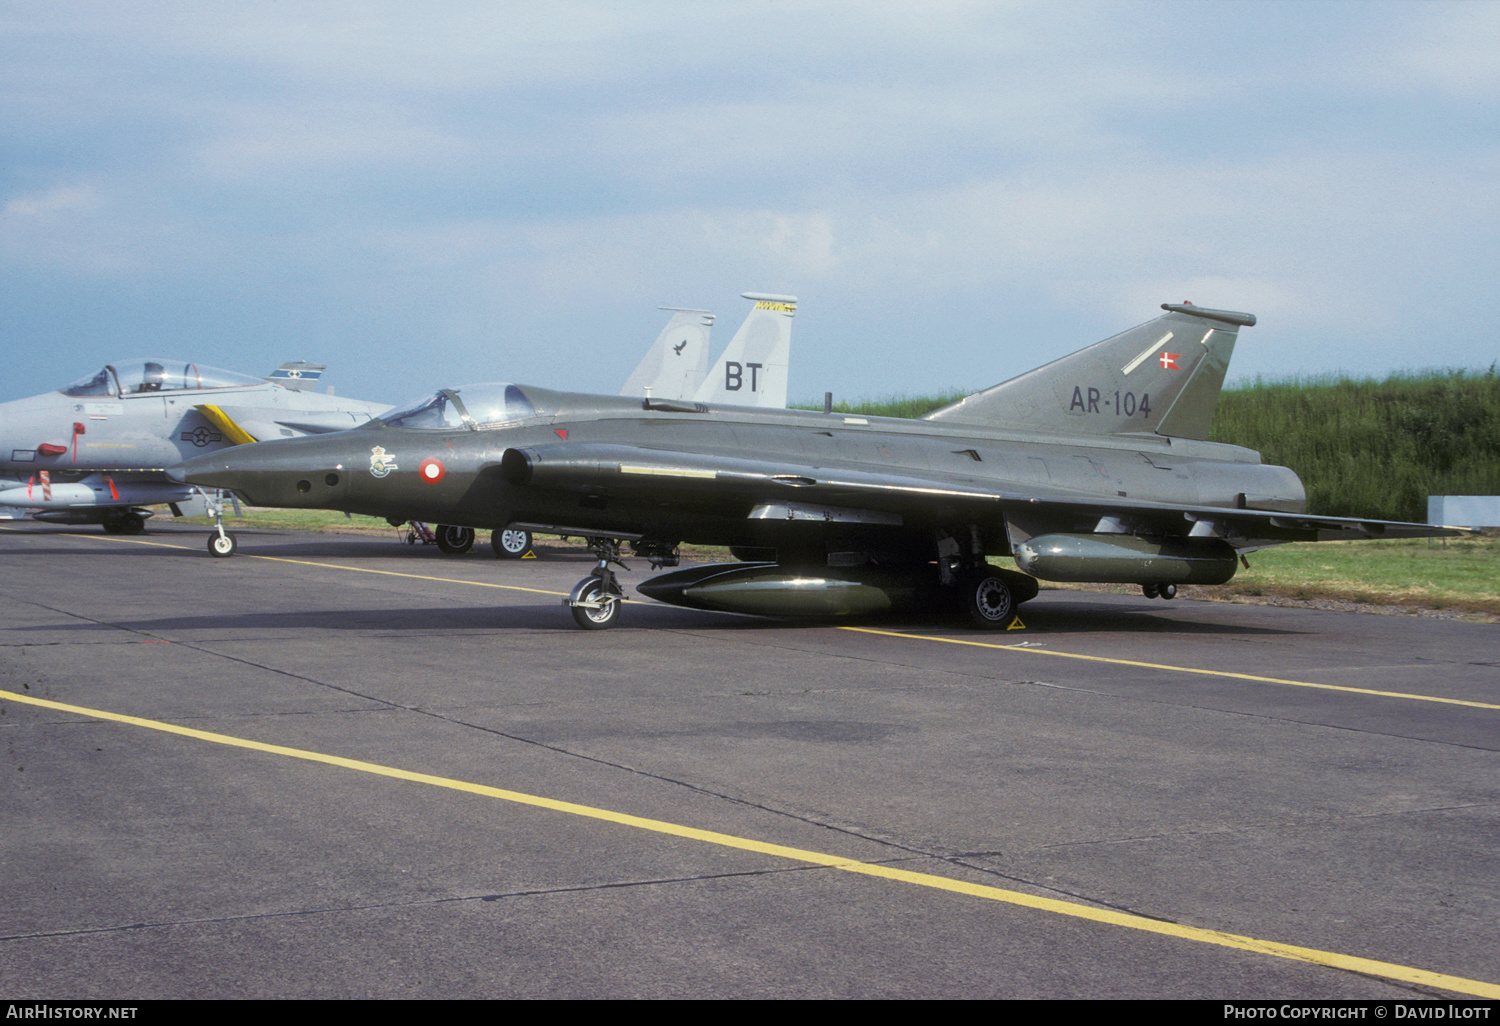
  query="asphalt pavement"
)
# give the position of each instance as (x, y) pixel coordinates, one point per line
(339, 766)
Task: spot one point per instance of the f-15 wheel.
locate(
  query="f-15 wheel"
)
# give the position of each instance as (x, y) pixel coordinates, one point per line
(220, 545)
(130, 523)
(511, 543)
(988, 599)
(454, 540)
(596, 619)
(1151, 590)
(1167, 591)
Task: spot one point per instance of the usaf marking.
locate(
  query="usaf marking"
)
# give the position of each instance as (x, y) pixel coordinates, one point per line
(734, 374)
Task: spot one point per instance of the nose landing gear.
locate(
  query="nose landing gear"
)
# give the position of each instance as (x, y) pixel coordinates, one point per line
(596, 599)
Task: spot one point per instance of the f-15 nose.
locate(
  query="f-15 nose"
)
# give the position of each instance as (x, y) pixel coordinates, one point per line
(291, 473)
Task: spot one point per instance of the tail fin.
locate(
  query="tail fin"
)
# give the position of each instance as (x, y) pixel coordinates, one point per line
(298, 375)
(1163, 376)
(677, 362)
(753, 370)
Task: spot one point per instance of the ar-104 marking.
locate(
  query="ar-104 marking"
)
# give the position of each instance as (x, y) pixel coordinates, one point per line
(1119, 403)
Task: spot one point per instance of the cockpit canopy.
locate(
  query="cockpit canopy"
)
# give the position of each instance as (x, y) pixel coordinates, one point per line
(476, 407)
(137, 377)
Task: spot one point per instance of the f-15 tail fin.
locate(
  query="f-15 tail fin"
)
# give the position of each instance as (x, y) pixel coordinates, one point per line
(298, 375)
(1163, 376)
(677, 362)
(753, 370)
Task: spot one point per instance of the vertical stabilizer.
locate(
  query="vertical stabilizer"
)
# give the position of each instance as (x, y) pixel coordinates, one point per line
(753, 369)
(1163, 376)
(298, 375)
(677, 362)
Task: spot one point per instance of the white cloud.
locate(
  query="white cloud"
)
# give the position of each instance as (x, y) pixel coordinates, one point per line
(56, 199)
(1454, 47)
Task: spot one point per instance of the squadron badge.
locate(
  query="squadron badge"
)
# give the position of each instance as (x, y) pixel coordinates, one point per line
(381, 462)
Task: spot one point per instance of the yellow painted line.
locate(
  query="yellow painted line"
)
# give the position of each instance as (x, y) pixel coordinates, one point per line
(1351, 963)
(415, 577)
(308, 562)
(1029, 650)
(102, 537)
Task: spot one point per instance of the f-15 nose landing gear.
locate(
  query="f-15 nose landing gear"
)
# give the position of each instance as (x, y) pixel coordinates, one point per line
(596, 599)
(221, 543)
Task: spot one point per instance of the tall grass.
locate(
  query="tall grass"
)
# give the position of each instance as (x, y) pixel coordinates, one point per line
(1373, 448)
(1362, 448)
(891, 405)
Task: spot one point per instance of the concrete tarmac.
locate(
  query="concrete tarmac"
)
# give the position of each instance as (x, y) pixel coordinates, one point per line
(343, 767)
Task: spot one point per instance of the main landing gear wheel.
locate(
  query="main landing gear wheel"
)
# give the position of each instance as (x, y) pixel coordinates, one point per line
(221, 545)
(511, 543)
(1150, 590)
(455, 541)
(591, 619)
(1162, 591)
(988, 599)
(130, 523)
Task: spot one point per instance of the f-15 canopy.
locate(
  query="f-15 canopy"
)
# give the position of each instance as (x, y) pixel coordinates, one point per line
(136, 377)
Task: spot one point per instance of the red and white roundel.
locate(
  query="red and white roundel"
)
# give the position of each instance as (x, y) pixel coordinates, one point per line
(431, 470)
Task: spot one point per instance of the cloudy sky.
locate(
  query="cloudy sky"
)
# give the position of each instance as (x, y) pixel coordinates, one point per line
(428, 194)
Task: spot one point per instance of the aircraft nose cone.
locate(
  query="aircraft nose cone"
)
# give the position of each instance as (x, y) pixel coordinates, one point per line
(296, 473)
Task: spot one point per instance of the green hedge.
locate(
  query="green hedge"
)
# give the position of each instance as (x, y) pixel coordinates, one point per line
(1362, 448)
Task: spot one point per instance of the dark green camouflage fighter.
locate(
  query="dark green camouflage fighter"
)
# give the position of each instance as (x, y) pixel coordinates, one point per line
(1093, 468)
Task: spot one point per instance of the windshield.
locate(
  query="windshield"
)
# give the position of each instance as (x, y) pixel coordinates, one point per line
(136, 377)
(476, 407)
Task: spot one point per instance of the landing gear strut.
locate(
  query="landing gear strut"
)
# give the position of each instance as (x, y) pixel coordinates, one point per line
(221, 543)
(989, 595)
(596, 599)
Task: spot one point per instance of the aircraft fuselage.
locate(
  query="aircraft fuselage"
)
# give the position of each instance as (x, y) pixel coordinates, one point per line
(616, 466)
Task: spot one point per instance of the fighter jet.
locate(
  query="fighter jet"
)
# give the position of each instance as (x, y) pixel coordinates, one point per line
(1093, 468)
(752, 370)
(95, 451)
(677, 361)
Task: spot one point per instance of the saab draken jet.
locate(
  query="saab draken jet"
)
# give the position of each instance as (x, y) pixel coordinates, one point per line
(95, 451)
(1093, 468)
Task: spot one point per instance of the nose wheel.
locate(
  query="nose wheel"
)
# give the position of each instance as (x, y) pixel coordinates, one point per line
(594, 608)
(595, 600)
(221, 544)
